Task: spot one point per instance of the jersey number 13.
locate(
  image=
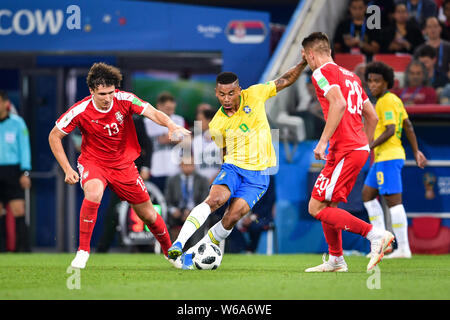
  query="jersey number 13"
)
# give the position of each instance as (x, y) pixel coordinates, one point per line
(113, 128)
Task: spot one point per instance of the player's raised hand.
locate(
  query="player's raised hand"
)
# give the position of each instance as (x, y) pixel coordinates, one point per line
(177, 133)
(421, 160)
(72, 176)
(319, 151)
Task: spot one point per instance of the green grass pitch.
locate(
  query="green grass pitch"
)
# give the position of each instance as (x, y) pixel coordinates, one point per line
(240, 277)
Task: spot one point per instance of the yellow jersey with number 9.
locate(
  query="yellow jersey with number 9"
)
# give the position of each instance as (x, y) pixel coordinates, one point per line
(246, 134)
(390, 110)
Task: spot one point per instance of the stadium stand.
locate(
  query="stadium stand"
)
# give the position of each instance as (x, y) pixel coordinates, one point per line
(348, 60)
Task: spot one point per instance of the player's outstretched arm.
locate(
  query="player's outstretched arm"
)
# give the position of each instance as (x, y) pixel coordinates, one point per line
(370, 120)
(290, 76)
(335, 113)
(176, 132)
(54, 139)
(421, 160)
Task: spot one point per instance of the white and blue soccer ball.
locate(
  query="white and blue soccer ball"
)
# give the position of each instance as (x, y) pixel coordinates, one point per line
(207, 256)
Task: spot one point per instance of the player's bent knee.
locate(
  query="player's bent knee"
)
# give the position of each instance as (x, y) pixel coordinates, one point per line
(93, 190)
(215, 202)
(314, 207)
(229, 220)
(93, 195)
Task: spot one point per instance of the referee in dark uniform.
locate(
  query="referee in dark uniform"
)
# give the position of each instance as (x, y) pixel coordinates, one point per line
(15, 163)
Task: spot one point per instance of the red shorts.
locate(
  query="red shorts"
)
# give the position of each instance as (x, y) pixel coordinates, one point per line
(337, 178)
(126, 183)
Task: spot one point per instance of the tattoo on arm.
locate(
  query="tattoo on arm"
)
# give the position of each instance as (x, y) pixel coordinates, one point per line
(290, 76)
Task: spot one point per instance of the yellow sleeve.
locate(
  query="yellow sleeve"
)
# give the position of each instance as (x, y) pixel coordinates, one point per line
(386, 112)
(263, 91)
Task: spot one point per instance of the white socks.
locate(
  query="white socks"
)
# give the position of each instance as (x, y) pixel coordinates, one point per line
(400, 226)
(375, 212)
(335, 259)
(398, 219)
(196, 218)
(215, 235)
(374, 234)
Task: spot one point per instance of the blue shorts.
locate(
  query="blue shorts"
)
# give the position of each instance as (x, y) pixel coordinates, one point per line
(246, 184)
(386, 176)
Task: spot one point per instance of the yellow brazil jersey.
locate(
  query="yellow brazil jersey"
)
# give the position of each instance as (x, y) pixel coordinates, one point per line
(246, 134)
(390, 110)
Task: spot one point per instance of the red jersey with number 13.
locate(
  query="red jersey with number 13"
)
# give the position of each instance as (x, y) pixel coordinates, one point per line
(108, 136)
(349, 134)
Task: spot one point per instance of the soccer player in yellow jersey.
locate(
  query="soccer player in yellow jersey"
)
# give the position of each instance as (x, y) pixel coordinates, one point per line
(384, 177)
(241, 129)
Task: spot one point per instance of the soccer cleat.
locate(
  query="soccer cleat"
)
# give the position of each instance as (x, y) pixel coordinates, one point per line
(176, 263)
(80, 259)
(378, 247)
(175, 251)
(187, 263)
(328, 266)
(388, 250)
(399, 253)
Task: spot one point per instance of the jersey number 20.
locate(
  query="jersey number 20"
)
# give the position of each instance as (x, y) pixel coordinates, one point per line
(355, 89)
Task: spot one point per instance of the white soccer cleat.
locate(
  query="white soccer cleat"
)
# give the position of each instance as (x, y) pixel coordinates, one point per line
(399, 253)
(176, 263)
(329, 266)
(80, 259)
(388, 250)
(378, 248)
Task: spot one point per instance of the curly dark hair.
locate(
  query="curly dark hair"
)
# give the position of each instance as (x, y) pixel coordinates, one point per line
(102, 74)
(381, 68)
(426, 51)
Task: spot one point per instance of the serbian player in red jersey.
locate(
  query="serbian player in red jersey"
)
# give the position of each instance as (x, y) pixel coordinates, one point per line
(344, 103)
(108, 150)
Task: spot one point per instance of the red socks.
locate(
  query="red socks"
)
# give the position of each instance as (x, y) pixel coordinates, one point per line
(333, 237)
(342, 220)
(159, 230)
(88, 217)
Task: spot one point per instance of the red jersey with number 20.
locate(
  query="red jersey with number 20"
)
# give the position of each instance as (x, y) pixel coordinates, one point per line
(108, 136)
(349, 134)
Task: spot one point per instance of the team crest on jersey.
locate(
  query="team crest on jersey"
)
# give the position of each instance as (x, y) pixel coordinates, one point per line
(247, 109)
(119, 117)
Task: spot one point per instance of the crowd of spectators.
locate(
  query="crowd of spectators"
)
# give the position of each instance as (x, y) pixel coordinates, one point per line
(419, 29)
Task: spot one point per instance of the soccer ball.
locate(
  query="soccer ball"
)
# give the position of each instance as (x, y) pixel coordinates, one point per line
(207, 256)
